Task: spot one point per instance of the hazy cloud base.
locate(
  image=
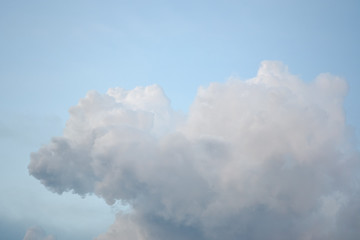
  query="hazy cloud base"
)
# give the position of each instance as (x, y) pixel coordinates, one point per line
(266, 158)
(37, 233)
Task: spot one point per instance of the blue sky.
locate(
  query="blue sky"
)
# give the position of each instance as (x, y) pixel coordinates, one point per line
(53, 53)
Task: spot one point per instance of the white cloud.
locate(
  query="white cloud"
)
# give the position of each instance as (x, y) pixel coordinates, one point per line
(266, 158)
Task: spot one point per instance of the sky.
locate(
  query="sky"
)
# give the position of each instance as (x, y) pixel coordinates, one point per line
(179, 119)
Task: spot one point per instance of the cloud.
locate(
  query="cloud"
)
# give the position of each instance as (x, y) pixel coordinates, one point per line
(265, 158)
(37, 233)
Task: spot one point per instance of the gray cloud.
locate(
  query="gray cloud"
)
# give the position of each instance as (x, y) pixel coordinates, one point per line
(266, 158)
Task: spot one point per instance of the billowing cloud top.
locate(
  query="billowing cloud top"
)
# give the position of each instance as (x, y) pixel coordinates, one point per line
(266, 158)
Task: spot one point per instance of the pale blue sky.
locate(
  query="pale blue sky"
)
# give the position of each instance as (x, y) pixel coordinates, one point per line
(52, 53)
